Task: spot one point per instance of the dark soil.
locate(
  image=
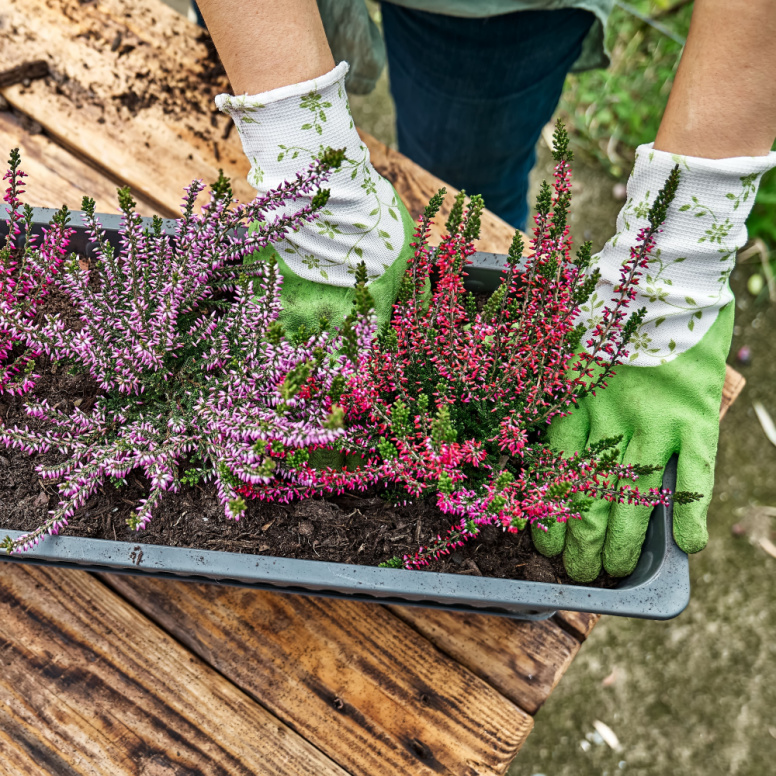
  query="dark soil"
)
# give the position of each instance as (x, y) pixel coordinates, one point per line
(362, 529)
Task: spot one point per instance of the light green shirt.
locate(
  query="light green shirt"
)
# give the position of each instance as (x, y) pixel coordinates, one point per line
(593, 48)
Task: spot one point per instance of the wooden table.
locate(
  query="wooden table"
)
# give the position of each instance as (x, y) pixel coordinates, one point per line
(107, 674)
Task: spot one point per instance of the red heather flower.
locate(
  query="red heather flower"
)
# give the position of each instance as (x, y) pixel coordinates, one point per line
(453, 401)
(26, 272)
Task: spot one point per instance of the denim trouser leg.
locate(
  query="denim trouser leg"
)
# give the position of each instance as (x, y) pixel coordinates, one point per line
(472, 95)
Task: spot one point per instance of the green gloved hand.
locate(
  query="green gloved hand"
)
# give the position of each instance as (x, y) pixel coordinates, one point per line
(666, 398)
(282, 131)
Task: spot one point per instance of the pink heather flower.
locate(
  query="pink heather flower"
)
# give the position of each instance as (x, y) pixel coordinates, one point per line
(183, 340)
(26, 272)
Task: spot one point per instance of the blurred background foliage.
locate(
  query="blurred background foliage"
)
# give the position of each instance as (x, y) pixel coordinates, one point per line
(613, 111)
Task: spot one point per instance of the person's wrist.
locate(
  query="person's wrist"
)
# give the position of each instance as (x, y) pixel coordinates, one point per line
(236, 105)
(269, 44)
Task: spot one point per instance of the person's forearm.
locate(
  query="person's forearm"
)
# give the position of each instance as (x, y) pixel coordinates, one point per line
(265, 44)
(723, 102)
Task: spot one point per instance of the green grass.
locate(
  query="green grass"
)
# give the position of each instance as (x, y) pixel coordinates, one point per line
(611, 112)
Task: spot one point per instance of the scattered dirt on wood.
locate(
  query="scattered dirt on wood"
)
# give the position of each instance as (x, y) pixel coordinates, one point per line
(140, 82)
(360, 528)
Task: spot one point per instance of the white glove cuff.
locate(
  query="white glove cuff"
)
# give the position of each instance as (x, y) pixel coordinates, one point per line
(237, 105)
(686, 283)
(282, 131)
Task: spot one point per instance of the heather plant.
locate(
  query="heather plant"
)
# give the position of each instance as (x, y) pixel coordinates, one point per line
(26, 272)
(451, 400)
(193, 367)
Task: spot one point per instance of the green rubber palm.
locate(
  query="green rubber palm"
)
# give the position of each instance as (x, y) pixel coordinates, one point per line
(305, 301)
(659, 410)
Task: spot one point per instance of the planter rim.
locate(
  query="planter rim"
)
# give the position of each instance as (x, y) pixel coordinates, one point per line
(659, 587)
(661, 594)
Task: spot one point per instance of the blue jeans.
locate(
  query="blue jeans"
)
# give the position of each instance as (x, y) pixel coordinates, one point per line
(472, 95)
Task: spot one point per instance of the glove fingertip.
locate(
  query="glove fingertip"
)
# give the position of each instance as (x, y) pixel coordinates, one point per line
(582, 567)
(695, 472)
(550, 542)
(690, 532)
(620, 564)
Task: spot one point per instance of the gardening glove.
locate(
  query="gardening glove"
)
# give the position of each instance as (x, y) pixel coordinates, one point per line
(665, 398)
(282, 131)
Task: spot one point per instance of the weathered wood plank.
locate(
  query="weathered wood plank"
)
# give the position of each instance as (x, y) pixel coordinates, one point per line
(136, 109)
(522, 660)
(56, 177)
(580, 624)
(351, 678)
(89, 686)
(128, 88)
(734, 384)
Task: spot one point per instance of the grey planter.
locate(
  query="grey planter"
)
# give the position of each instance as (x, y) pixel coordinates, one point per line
(659, 588)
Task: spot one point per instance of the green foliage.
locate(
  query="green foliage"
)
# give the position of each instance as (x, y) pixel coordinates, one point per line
(222, 188)
(659, 209)
(456, 212)
(336, 418)
(392, 563)
(615, 110)
(191, 477)
(635, 320)
(126, 203)
(686, 497)
(445, 484)
(298, 457)
(434, 204)
(295, 379)
(442, 430)
(320, 198)
(515, 250)
(332, 158)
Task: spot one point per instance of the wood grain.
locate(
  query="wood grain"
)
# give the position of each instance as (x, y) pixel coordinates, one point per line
(57, 177)
(734, 384)
(128, 90)
(90, 686)
(524, 661)
(579, 624)
(140, 110)
(351, 678)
